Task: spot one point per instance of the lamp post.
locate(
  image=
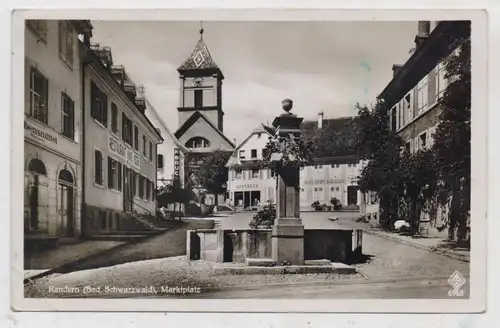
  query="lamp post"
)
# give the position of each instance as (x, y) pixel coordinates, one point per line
(288, 231)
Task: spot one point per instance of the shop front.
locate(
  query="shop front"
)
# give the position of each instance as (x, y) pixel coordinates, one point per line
(51, 182)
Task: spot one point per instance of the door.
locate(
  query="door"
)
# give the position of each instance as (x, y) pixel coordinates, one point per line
(352, 195)
(246, 199)
(65, 210)
(65, 204)
(126, 190)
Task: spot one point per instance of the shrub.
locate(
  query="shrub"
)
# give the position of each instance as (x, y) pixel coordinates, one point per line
(337, 205)
(264, 217)
(315, 204)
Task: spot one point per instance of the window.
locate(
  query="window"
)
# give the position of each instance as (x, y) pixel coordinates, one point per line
(126, 129)
(406, 110)
(441, 82)
(255, 173)
(239, 174)
(99, 105)
(422, 95)
(337, 189)
(253, 153)
(393, 119)
(198, 98)
(422, 141)
(133, 183)
(141, 187)
(150, 151)
(112, 173)
(242, 154)
(148, 189)
(153, 191)
(198, 142)
(120, 176)
(66, 42)
(136, 137)
(39, 94)
(159, 161)
(144, 147)
(272, 173)
(68, 116)
(114, 118)
(98, 167)
(39, 27)
(408, 147)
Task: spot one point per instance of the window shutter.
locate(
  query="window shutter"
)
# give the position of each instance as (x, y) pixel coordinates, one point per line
(119, 169)
(110, 175)
(104, 109)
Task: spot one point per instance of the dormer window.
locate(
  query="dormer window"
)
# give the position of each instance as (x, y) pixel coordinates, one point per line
(198, 142)
(241, 154)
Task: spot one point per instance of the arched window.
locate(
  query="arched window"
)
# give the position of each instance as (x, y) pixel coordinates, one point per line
(198, 142)
(37, 166)
(66, 176)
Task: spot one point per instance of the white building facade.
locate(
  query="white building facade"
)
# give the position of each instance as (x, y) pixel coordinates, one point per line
(251, 185)
(120, 152)
(52, 127)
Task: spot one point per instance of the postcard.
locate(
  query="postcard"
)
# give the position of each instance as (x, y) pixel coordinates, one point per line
(203, 160)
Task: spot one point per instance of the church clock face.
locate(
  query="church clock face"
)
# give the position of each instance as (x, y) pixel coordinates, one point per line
(198, 82)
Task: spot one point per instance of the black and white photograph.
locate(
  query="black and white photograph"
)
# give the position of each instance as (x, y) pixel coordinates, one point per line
(204, 159)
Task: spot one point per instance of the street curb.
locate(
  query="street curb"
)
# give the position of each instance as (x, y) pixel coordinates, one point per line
(66, 268)
(425, 248)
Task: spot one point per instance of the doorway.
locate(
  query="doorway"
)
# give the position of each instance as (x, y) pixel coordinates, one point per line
(65, 204)
(36, 196)
(127, 189)
(352, 195)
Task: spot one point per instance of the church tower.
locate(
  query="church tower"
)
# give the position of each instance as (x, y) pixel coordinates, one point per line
(201, 86)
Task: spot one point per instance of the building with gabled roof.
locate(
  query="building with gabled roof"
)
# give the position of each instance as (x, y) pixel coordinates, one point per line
(201, 118)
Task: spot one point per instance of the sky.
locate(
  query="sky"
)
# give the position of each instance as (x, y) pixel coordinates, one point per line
(322, 66)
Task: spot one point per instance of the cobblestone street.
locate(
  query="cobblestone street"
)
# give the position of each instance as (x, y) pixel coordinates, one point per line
(392, 266)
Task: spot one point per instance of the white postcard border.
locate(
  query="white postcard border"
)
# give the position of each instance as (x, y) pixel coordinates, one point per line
(476, 302)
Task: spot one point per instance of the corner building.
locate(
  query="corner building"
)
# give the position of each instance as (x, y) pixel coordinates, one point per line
(119, 145)
(52, 128)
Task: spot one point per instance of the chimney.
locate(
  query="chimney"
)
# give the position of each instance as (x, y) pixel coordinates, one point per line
(140, 103)
(423, 31)
(395, 69)
(320, 120)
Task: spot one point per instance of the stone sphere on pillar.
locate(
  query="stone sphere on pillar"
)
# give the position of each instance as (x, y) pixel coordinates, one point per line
(287, 104)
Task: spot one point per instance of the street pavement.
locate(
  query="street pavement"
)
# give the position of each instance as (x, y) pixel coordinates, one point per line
(395, 270)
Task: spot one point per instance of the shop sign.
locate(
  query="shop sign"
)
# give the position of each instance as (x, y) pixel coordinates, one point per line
(124, 152)
(322, 182)
(39, 134)
(248, 186)
(176, 162)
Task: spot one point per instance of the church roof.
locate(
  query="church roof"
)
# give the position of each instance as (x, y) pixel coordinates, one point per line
(199, 59)
(192, 119)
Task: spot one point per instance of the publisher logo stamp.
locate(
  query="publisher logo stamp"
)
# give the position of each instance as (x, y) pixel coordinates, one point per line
(456, 282)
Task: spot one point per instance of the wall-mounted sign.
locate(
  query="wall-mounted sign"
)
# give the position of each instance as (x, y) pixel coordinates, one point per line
(248, 186)
(39, 134)
(116, 147)
(322, 182)
(177, 167)
(124, 152)
(133, 159)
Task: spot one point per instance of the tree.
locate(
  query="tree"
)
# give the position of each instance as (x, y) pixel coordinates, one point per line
(174, 193)
(452, 144)
(212, 175)
(380, 148)
(418, 174)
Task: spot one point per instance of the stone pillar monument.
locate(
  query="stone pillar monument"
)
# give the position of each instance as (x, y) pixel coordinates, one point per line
(288, 231)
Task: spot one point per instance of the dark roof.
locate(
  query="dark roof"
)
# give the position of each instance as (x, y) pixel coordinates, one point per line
(342, 136)
(192, 119)
(431, 51)
(199, 59)
(96, 53)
